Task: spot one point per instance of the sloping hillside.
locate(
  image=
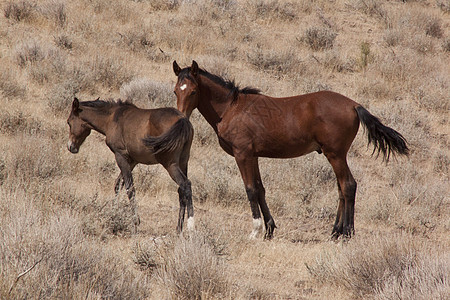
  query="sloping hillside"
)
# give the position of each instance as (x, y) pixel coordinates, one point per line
(62, 235)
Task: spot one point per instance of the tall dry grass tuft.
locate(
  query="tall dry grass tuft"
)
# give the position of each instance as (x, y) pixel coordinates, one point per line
(382, 266)
(61, 96)
(277, 62)
(56, 11)
(30, 52)
(319, 38)
(35, 159)
(275, 10)
(428, 279)
(193, 271)
(18, 11)
(369, 7)
(10, 87)
(147, 92)
(17, 123)
(47, 256)
(109, 71)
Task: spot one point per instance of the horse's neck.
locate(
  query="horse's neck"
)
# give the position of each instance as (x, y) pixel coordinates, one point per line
(214, 100)
(96, 120)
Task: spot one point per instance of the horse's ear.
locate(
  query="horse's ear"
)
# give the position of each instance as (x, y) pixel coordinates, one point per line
(194, 68)
(75, 106)
(176, 68)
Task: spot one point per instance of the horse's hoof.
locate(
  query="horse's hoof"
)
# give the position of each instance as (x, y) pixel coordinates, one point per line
(268, 236)
(136, 220)
(270, 227)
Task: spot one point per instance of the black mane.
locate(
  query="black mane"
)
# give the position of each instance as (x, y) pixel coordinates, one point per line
(105, 105)
(230, 85)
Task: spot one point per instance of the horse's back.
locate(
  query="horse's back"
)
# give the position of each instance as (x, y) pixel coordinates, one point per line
(292, 126)
(149, 121)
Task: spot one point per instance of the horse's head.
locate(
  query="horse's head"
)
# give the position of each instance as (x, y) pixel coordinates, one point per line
(78, 129)
(186, 88)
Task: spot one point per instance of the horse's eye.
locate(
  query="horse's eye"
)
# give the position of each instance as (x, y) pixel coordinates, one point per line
(174, 92)
(193, 93)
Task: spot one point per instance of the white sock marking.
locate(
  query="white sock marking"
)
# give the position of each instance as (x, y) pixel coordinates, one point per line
(190, 224)
(257, 226)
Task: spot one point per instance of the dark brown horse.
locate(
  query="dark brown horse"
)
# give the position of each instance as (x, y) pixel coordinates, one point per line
(251, 125)
(138, 136)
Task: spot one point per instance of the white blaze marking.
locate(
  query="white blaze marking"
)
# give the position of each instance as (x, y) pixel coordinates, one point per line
(183, 87)
(190, 224)
(257, 225)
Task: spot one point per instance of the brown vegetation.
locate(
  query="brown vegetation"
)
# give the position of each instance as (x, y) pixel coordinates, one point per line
(63, 236)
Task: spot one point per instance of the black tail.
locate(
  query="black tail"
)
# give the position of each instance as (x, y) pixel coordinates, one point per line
(383, 138)
(175, 138)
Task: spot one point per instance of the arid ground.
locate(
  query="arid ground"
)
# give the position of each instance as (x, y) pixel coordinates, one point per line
(62, 235)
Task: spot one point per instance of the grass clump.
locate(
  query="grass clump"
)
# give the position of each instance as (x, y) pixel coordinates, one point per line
(110, 71)
(319, 38)
(147, 91)
(10, 88)
(275, 10)
(29, 52)
(370, 7)
(62, 95)
(19, 123)
(383, 267)
(18, 11)
(274, 61)
(55, 258)
(35, 158)
(193, 270)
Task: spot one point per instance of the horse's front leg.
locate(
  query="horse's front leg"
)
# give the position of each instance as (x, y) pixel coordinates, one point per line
(268, 220)
(246, 164)
(126, 167)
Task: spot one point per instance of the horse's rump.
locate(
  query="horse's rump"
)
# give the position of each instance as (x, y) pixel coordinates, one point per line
(175, 138)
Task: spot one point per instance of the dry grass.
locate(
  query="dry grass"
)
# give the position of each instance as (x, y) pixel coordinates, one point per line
(386, 268)
(47, 255)
(63, 228)
(319, 38)
(192, 270)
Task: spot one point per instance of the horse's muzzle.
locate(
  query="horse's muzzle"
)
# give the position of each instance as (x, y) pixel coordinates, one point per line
(72, 148)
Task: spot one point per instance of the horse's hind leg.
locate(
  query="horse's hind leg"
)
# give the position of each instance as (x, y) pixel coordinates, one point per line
(338, 224)
(190, 207)
(347, 190)
(118, 184)
(184, 196)
(126, 167)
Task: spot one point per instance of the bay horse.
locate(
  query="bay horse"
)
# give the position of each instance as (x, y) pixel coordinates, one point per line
(251, 125)
(138, 136)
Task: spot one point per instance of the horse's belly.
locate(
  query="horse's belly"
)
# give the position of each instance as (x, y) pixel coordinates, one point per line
(274, 149)
(143, 157)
